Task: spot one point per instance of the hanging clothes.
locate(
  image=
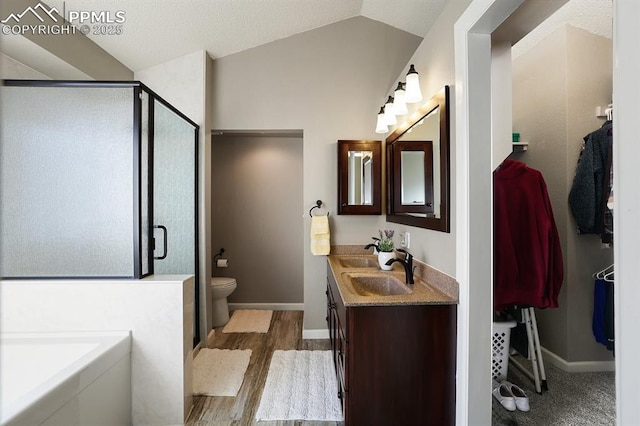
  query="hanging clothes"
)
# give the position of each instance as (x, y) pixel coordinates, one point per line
(609, 313)
(599, 308)
(603, 307)
(592, 183)
(528, 265)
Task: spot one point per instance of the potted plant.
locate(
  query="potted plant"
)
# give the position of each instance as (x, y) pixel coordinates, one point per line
(385, 248)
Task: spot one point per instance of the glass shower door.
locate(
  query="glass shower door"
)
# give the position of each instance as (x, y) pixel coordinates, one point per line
(174, 165)
(174, 192)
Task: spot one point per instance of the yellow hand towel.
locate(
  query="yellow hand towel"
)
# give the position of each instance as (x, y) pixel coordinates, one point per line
(320, 237)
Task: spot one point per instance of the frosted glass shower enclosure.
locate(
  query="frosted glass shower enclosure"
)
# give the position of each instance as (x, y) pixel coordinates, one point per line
(97, 180)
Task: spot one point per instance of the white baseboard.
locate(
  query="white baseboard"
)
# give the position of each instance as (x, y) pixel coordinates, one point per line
(322, 333)
(579, 366)
(268, 306)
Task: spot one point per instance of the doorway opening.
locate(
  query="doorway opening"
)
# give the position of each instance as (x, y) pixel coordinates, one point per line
(256, 198)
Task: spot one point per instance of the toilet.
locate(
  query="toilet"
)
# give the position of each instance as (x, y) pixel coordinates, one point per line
(221, 288)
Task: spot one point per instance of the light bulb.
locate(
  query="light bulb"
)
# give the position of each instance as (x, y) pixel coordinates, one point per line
(399, 104)
(389, 112)
(413, 93)
(381, 126)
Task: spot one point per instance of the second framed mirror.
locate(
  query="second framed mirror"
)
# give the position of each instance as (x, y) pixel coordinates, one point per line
(359, 177)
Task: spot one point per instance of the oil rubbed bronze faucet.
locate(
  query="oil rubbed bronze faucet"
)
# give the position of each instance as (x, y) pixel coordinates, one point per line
(374, 244)
(407, 262)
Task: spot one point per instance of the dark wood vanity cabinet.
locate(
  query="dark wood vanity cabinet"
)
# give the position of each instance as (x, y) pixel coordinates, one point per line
(395, 364)
(338, 343)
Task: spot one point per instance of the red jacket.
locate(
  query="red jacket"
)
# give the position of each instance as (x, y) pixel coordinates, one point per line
(528, 267)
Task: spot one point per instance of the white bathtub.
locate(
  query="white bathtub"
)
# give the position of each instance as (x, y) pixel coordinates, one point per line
(65, 378)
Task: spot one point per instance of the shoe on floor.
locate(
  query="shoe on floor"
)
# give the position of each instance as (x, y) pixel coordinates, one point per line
(505, 397)
(520, 398)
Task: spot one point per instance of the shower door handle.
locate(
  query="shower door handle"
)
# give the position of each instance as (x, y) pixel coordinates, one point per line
(164, 231)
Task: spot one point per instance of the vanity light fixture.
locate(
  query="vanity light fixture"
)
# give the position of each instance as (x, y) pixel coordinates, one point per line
(413, 93)
(399, 104)
(382, 127)
(389, 112)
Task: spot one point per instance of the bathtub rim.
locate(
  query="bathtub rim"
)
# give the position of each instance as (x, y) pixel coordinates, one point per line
(49, 396)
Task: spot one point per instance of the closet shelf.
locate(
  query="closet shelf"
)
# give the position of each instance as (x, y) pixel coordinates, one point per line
(519, 146)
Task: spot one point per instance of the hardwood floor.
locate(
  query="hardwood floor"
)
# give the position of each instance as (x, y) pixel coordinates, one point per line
(285, 333)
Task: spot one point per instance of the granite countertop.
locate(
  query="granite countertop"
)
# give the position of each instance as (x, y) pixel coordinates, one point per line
(431, 287)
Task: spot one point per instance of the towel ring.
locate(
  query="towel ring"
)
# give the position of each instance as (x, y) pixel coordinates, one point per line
(317, 206)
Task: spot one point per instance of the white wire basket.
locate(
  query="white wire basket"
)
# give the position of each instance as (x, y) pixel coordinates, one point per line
(500, 349)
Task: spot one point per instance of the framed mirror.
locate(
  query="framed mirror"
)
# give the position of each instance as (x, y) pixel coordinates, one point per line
(413, 192)
(359, 177)
(418, 167)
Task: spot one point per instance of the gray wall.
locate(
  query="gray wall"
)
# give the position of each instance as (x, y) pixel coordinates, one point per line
(556, 88)
(434, 61)
(329, 82)
(255, 198)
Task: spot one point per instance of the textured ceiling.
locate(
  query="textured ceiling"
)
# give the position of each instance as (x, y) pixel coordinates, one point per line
(595, 16)
(156, 31)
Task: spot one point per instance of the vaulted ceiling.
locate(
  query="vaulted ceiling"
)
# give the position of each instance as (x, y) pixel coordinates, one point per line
(156, 31)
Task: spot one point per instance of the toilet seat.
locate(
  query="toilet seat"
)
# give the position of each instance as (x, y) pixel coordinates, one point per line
(222, 282)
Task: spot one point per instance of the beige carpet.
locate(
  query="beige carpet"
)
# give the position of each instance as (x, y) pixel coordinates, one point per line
(219, 372)
(301, 385)
(249, 321)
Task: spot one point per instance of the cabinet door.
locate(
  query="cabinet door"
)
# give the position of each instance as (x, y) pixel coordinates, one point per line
(332, 323)
(342, 389)
(340, 365)
(338, 344)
